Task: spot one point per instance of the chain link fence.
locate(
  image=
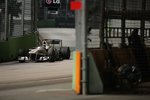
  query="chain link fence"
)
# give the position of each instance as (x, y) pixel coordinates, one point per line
(116, 19)
(16, 18)
(2, 20)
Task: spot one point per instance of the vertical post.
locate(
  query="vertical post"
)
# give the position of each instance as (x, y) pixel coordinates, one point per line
(123, 23)
(78, 28)
(22, 20)
(84, 48)
(66, 9)
(34, 10)
(106, 29)
(6, 18)
(0, 23)
(143, 19)
(35, 14)
(32, 15)
(101, 31)
(45, 13)
(9, 25)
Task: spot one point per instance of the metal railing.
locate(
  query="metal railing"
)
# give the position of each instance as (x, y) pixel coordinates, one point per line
(115, 32)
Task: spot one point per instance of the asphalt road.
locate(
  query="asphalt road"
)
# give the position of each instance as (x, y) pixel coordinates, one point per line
(15, 74)
(63, 86)
(20, 81)
(56, 78)
(62, 92)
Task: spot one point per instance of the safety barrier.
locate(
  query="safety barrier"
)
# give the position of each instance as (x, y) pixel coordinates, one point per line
(99, 77)
(102, 62)
(9, 49)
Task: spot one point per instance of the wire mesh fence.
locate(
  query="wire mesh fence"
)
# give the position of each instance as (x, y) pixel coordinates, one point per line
(16, 18)
(2, 19)
(118, 18)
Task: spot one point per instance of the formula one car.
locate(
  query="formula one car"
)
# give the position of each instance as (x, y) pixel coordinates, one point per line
(51, 50)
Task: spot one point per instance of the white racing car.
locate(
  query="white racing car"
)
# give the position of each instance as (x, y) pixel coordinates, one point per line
(50, 50)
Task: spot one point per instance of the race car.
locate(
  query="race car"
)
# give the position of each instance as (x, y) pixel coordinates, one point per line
(51, 50)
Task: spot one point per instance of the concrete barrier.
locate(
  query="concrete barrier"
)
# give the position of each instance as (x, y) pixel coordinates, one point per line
(104, 77)
(100, 78)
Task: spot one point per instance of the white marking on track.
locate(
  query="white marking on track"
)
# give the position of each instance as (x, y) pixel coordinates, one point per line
(52, 90)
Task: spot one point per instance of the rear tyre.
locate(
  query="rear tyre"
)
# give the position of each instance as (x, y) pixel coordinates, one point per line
(65, 52)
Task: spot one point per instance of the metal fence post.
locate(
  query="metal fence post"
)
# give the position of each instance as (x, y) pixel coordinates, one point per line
(143, 20)
(123, 23)
(36, 14)
(22, 20)
(102, 19)
(6, 18)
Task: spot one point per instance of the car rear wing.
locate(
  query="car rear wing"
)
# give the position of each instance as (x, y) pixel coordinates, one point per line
(54, 41)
